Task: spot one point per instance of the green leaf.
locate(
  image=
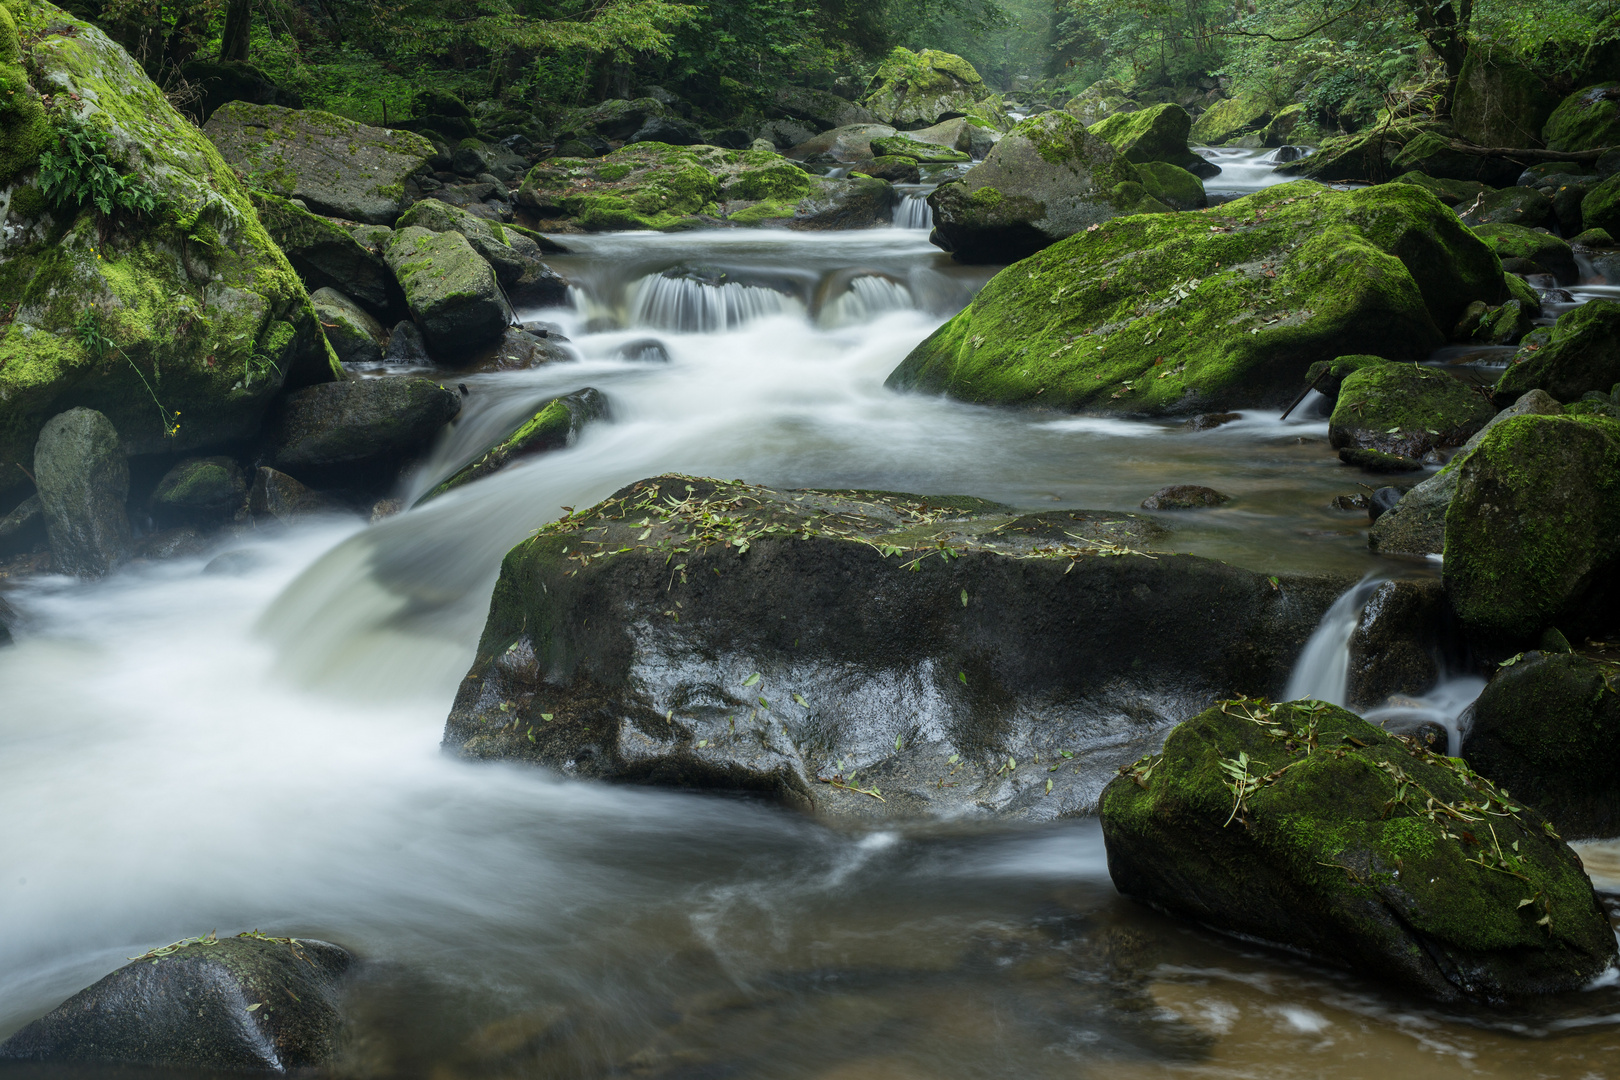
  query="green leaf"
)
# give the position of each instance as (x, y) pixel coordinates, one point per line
(800, 699)
(1049, 787)
(899, 743)
(962, 677)
(752, 679)
(964, 598)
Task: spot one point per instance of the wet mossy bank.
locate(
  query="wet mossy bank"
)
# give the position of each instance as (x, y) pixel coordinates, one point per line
(979, 661)
(1165, 314)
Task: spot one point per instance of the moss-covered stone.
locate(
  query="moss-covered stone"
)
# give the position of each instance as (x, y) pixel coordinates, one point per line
(915, 90)
(1547, 728)
(1172, 185)
(1156, 134)
(616, 118)
(324, 253)
(1521, 206)
(192, 310)
(1405, 409)
(1180, 313)
(1500, 102)
(199, 489)
(896, 170)
(554, 425)
(358, 431)
(1583, 355)
(1543, 249)
(1100, 100)
(927, 153)
(335, 166)
(354, 334)
(1600, 207)
(1046, 179)
(1305, 826)
(451, 291)
(1451, 192)
(1585, 120)
(1533, 532)
(1592, 238)
(24, 130)
(1232, 118)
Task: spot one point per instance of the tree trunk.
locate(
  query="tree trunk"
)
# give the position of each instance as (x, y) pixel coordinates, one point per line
(1444, 25)
(233, 40)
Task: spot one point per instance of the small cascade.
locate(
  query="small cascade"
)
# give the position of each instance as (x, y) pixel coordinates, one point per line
(1322, 671)
(867, 297)
(687, 306)
(914, 213)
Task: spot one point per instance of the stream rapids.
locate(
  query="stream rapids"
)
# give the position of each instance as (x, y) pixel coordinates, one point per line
(184, 750)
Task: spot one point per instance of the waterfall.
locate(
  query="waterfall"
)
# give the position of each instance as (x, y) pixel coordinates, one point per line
(1323, 669)
(684, 305)
(867, 297)
(914, 213)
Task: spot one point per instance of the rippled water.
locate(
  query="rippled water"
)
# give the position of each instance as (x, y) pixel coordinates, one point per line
(181, 751)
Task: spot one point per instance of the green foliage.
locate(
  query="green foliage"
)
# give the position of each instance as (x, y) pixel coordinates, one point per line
(93, 339)
(82, 170)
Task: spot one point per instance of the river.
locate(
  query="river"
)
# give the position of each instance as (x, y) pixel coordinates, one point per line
(184, 750)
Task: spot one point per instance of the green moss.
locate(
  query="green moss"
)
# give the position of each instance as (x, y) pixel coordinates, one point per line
(1450, 192)
(1162, 313)
(768, 210)
(614, 171)
(1172, 185)
(1583, 121)
(1406, 409)
(1581, 355)
(1156, 134)
(780, 180)
(1230, 117)
(28, 202)
(24, 129)
(1334, 844)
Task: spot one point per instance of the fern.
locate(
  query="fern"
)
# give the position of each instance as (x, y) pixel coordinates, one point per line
(81, 170)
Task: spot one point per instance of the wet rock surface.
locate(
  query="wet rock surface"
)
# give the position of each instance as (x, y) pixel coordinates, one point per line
(83, 480)
(250, 1004)
(359, 427)
(1304, 826)
(1583, 355)
(554, 425)
(452, 292)
(653, 640)
(1405, 409)
(1184, 497)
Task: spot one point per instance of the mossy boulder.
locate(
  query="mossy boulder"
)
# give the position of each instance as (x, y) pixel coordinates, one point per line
(83, 480)
(927, 153)
(354, 334)
(917, 90)
(1551, 253)
(1416, 525)
(1405, 409)
(1451, 192)
(1547, 728)
(1521, 206)
(1600, 207)
(198, 318)
(896, 170)
(1231, 118)
(248, 1004)
(1172, 185)
(1583, 355)
(24, 129)
(1499, 102)
(820, 108)
(1302, 825)
(1047, 179)
(1156, 134)
(357, 432)
(694, 671)
(335, 166)
(199, 489)
(514, 257)
(1381, 151)
(555, 425)
(615, 119)
(324, 253)
(1533, 532)
(1099, 101)
(668, 188)
(1588, 119)
(1179, 314)
(967, 135)
(852, 143)
(451, 291)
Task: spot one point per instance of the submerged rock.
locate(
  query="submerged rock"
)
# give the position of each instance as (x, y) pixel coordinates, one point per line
(1304, 826)
(1378, 461)
(1533, 531)
(1416, 525)
(1547, 728)
(334, 166)
(1184, 497)
(83, 480)
(935, 690)
(1396, 646)
(1582, 356)
(1047, 179)
(1405, 409)
(1166, 314)
(244, 1004)
(554, 425)
(193, 302)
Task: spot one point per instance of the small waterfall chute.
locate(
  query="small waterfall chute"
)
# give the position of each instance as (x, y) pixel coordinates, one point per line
(681, 304)
(1322, 672)
(914, 213)
(867, 297)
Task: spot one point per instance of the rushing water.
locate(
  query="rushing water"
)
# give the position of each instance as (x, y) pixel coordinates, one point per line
(183, 750)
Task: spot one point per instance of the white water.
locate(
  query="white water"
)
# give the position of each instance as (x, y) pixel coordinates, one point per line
(666, 303)
(182, 751)
(913, 212)
(1243, 172)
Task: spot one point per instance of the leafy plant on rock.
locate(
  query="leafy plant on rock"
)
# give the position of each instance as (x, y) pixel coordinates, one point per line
(81, 169)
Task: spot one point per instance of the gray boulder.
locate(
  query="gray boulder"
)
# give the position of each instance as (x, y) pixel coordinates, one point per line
(669, 130)
(245, 1004)
(1583, 356)
(355, 336)
(336, 166)
(83, 480)
(200, 488)
(933, 693)
(406, 345)
(520, 350)
(326, 255)
(476, 158)
(850, 143)
(819, 108)
(856, 203)
(362, 427)
(276, 497)
(1417, 524)
(452, 292)
(1046, 179)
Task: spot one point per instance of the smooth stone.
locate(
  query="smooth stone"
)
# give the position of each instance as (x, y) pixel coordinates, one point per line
(360, 422)
(83, 480)
(198, 488)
